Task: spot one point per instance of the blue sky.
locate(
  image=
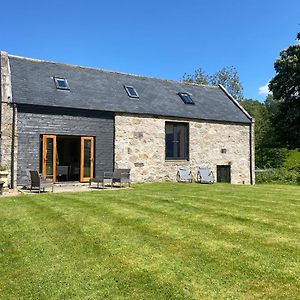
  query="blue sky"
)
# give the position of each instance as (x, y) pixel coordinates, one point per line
(162, 39)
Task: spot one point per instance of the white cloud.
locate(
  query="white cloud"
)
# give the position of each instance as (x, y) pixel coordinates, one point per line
(264, 90)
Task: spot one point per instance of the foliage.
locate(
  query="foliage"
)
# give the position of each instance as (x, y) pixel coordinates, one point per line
(280, 175)
(227, 76)
(199, 77)
(153, 241)
(292, 161)
(285, 86)
(264, 131)
(270, 157)
(266, 153)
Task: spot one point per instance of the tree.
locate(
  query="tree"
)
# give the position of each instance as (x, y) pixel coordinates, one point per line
(285, 86)
(199, 77)
(263, 127)
(266, 153)
(227, 76)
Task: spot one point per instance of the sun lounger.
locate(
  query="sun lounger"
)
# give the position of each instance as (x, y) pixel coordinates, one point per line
(204, 175)
(184, 174)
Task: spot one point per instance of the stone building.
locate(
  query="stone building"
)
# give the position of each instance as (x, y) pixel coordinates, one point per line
(72, 123)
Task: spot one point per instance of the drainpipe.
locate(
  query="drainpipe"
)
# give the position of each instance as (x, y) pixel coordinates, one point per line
(252, 150)
(250, 142)
(13, 134)
(0, 109)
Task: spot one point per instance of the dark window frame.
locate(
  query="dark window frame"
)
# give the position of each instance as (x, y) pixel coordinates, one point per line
(59, 87)
(176, 147)
(186, 98)
(127, 87)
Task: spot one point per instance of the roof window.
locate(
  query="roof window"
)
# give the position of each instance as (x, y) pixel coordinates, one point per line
(132, 93)
(61, 83)
(186, 98)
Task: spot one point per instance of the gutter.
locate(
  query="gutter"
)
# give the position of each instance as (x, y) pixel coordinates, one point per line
(251, 151)
(0, 107)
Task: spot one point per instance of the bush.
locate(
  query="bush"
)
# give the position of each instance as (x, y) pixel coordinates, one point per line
(292, 161)
(280, 175)
(270, 157)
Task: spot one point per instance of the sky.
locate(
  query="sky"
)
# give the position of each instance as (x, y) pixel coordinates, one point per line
(163, 39)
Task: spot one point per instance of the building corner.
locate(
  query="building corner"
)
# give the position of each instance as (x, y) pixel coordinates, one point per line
(8, 117)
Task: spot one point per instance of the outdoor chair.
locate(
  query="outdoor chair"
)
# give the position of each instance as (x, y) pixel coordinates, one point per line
(38, 182)
(204, 175)
(122, 176)
(63, 172)
(184, 174)
(105, 178)
(1, 187)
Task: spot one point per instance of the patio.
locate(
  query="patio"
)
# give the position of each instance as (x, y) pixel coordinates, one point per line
(62, 187)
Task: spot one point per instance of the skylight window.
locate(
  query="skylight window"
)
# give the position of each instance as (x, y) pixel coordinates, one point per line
(61, 83)
(132, 93)
(186, 98)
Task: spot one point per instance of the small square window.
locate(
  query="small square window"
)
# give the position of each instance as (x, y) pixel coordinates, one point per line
(131, 92)
(186, 98)
(61, 83)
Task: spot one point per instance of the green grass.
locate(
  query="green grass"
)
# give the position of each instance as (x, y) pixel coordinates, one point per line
(155, 241)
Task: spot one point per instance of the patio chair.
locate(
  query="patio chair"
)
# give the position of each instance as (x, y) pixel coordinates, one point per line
(36, 181)
(184, 174)
(121, 176)
(204, 175)
(104, 178)
(63, 172)
(1, 187)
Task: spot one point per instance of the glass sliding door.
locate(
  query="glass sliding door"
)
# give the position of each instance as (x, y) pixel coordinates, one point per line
(87, 158)
(49, 157)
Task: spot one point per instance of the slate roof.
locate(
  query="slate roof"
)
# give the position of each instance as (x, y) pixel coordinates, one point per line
(94, 89)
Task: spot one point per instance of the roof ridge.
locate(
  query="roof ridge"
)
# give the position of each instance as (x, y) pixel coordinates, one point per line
(110, 71)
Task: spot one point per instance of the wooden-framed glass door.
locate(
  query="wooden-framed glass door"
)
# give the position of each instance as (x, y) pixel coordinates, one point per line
(49, 157)
(86, 158)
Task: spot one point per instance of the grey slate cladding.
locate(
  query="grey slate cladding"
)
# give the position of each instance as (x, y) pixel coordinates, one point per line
(33, 121)
(92, 89)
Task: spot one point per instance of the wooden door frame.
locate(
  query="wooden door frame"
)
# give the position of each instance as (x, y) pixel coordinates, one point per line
(44, 154)
(82, 139)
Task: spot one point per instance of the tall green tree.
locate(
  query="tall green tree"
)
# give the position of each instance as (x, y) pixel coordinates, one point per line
(267, 154)
(264, 132)
(227, 76)
(285, 86)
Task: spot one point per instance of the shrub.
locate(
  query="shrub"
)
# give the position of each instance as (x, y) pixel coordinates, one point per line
(280, 175)
(270, 157)
(292, 161)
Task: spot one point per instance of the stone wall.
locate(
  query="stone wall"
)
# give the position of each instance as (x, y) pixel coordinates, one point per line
(140, 146)
(8, 136)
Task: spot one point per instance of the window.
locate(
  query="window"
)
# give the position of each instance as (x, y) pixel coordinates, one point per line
(132, 93)
(186, 98)
(61, 83)
(177, 141)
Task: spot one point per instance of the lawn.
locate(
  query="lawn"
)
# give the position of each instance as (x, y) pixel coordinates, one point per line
(154, 241)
